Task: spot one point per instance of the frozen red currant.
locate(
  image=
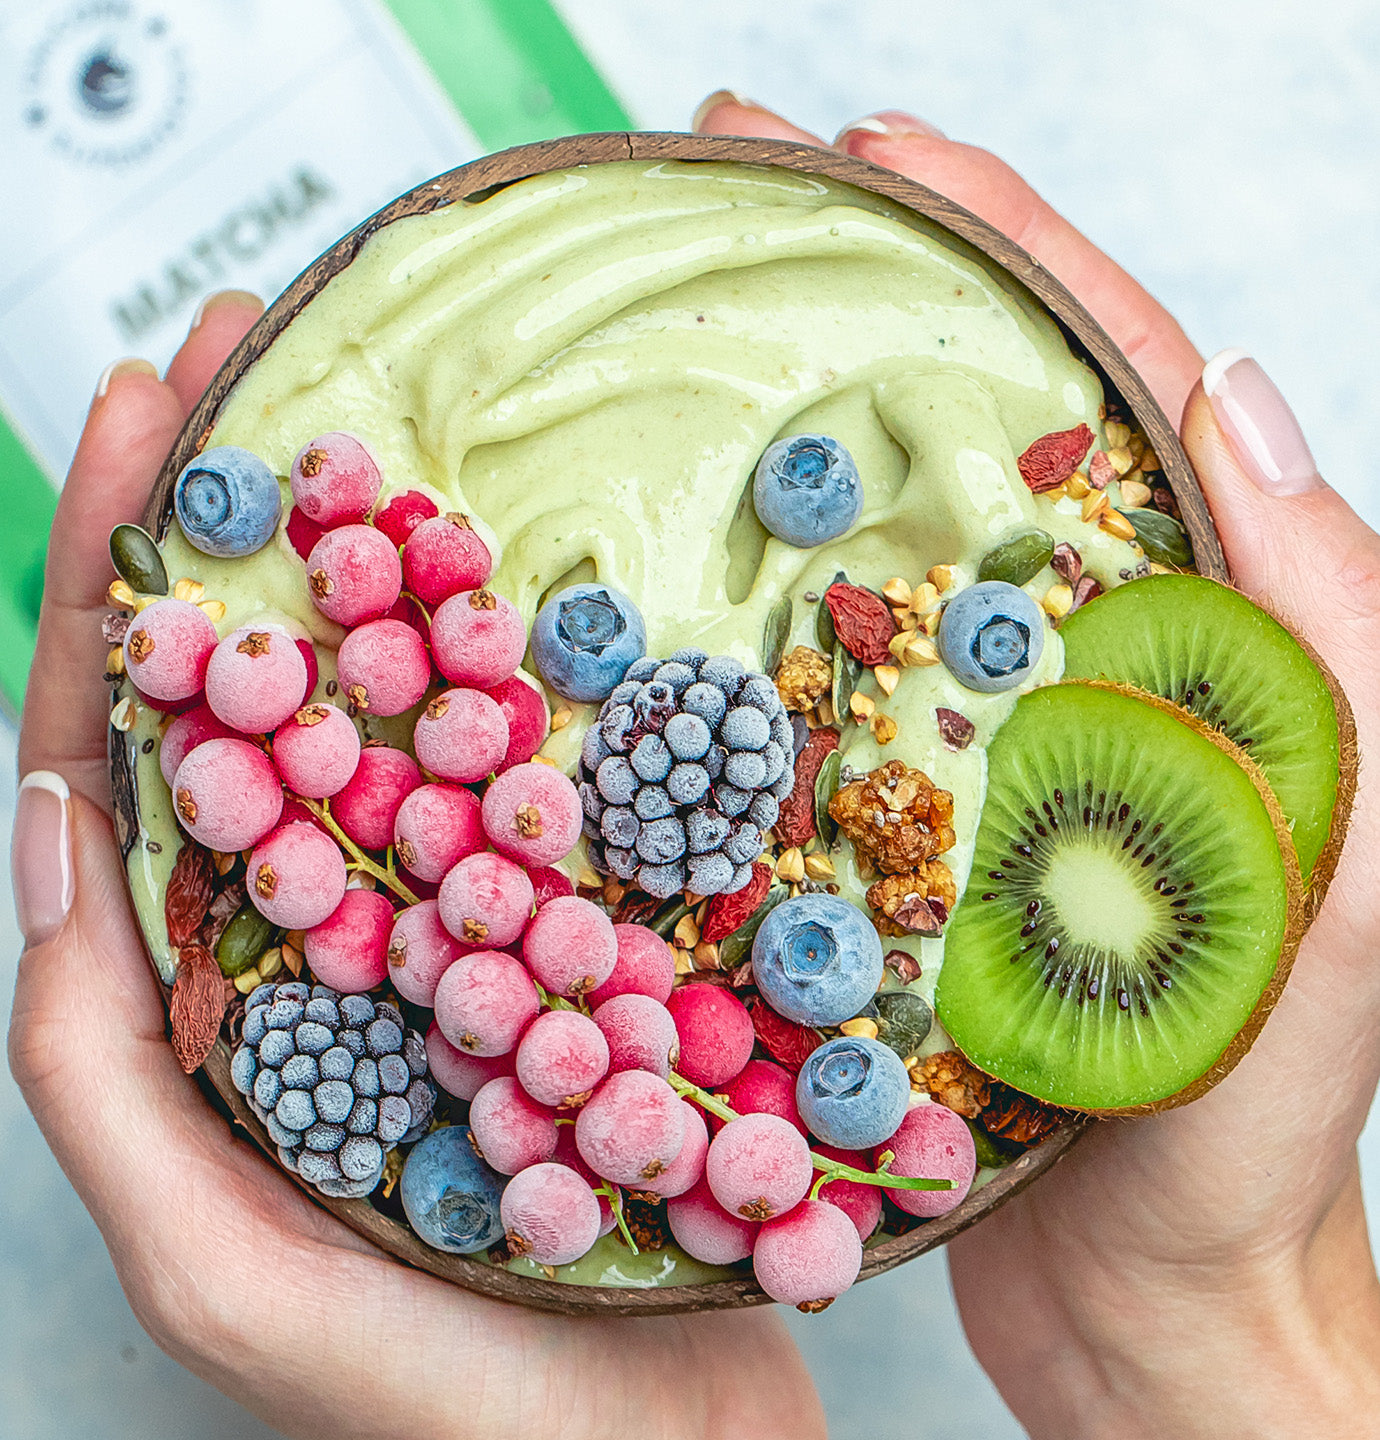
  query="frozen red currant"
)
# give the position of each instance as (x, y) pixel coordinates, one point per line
(167, 649)
(477, 638)
(524, 708)
(335, 479)
(437, 825)
(354, 574)
(256, 679)
(532, 812)
(383, 667)
(227, 795)
(316, 751)
(443, 556)
(403, 513)
(349, 949)
(461, 735)
(296, 876)
(420, 951)
(366, 807)
(486, 900)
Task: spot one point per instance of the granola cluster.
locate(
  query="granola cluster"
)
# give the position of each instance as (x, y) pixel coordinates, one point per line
(896, 818)
(909, 904)
(804, 678)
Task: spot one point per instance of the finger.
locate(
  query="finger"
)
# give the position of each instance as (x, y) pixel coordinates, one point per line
(726, 113)
(1139, 325)
(133, 421)
(219, 325)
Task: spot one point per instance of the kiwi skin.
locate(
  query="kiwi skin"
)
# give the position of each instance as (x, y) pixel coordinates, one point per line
(1301, 910)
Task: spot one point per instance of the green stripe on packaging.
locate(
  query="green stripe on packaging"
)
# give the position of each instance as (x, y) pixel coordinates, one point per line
(29, 501)
(511, 67)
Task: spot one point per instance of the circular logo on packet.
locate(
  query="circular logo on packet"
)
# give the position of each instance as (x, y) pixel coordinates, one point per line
(106, 84)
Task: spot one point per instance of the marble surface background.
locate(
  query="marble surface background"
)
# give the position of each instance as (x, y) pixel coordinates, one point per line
(1230, 157)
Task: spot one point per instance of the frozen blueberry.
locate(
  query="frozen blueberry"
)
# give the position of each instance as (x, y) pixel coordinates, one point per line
(705, 830)
(268, 1089)
(706, 701)
(301, 1072)
(652, 759)
(356, 1010)
(593, 750)
(991, 636)
(745, 728)
(334, 1100)
(709, 873)
(745, 768)
(762, 694)
(585, 638)
(662, 881)
(676, 675)
(686, 784)
(817, 960)
(620, 825)
(653, 802)
(661, 842)
(621, 861)
(764, 811)
(687, 736)
(450, 1195)
(806, 490)
(690, 656)
(295, 1110)
(744, 845)
(731, 800)
(617, 780)
(723, 672)
(853, 1092)
(227, 502)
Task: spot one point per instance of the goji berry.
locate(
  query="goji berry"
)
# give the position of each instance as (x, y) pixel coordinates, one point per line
(1051, 459)
(786, 1042)
(725, 913)
(862, 622)
(197, 1006)
(796, 823)
(191, 887)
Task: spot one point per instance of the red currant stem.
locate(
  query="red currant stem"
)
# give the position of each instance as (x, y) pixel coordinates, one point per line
(554, 1002)
(615, 1199)
(832, 1169)
(321, 809)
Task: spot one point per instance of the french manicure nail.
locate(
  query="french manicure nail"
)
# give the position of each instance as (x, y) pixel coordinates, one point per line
(1257, 420)
(219, 299)
(895, 123)
(128, 366)
(722, 97)
(41, 855)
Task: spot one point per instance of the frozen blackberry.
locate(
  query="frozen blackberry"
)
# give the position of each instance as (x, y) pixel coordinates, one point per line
(683, 770)
(338, 1081)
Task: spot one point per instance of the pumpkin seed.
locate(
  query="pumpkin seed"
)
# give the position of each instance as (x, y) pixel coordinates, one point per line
(777, 633)
(825, 634)
(243, 941)
(847, 673)
(134, 554)
(904, 1020)
(736, 948)
(1019, 559)
(1161, 537)
(826, 787)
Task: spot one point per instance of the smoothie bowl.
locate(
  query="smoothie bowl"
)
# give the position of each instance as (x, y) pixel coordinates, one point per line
(675, 726)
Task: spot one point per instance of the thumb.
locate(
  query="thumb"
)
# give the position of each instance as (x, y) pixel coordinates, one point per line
(1291, 541)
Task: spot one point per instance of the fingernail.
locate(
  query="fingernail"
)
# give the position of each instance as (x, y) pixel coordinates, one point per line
(127, 366)
(894, 123)
(220, 299)
(41, 855)
(723, 97)
(1261, 427)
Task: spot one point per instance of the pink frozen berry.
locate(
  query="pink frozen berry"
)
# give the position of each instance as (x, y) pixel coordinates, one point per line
(383, 667)
(484, 1002)
(716, 1034)
(645, 966)
(632, 1128)
(532, 812)
(406, 609)
(256, 679)
(511, 1129)
(861, 1203)
(567, 1153)
(570, 946)
(460, 1074)
(561, 1057)
(762, 1087)
(550, 1214)
(185, 732)
(478, 638)
(303, 533)
(687, 1169)
(443, 556)
(524, 708)
(640, 1032)
(548, 883)
(308, 651)
(335, 479)
(354, 574)
(934, 1142)
(485, 900)
(402, 514)
(349, 949)
(296, 876)
(227, 795)
(706, 1231)
(167, 649)
(759, 1166)
(809, 1257)
(367, 805)
(316, 751)
(420, 951)
(461, 735)
(436, 826)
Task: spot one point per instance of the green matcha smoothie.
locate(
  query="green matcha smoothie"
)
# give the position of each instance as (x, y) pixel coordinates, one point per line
(590, 364)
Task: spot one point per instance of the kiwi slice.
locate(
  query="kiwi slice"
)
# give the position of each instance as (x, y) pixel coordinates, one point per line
(1132, 909)
(1208, 648)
